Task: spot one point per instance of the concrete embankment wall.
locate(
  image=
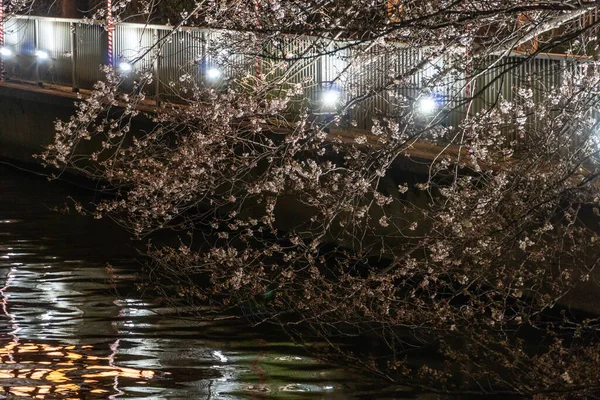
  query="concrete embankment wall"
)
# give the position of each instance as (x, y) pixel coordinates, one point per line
(27, 120)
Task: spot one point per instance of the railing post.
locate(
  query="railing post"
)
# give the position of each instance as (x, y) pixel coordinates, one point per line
(258, 59)
(1, 40)
(36, 32)
(110, 31)
(156, 67)
(74, 80)
(469, 84)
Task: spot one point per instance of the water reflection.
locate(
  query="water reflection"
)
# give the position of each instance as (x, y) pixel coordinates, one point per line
(41, 371)
(72, 328)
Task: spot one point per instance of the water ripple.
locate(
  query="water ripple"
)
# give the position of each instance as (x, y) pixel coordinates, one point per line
(64, 333)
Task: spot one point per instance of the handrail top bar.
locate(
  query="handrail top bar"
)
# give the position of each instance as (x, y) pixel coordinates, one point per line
(164, 27)
(93, 21)
(134, 24)
(156, 26)
(552, 56)
(153, 26)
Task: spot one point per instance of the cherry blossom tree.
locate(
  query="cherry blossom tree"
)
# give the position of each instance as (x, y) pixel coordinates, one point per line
(446, 219)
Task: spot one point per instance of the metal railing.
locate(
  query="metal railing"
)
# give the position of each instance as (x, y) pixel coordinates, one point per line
(69, 52)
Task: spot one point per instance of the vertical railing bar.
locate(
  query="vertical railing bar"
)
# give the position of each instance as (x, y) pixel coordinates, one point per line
(1, 40)
(156, 67)
(74, 55)
(36, 41)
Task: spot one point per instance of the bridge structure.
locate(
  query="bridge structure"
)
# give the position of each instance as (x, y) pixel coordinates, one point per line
(69, 53)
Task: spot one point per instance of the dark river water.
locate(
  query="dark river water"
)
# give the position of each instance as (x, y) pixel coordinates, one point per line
(71, 328)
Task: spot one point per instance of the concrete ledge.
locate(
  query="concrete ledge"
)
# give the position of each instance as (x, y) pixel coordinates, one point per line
(27, 117)
(42, 94)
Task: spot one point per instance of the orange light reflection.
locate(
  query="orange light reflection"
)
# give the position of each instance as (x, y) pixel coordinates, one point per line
(62, 370)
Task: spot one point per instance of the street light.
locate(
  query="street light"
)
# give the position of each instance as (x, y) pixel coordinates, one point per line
(125, 67)
(331, 97)
(42, 55)
(213, 73)
(5, 52)
(426, 105)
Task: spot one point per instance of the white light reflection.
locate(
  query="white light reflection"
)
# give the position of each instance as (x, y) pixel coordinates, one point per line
(218, 354)
(42, 55)
(114, 348)
(47, 316)
(4, 296)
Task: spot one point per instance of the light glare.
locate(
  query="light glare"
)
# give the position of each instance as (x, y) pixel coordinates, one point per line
(125, 67)
(4, 52)
(42, 55)
(213, 73)
(331, 97)
(426, 105)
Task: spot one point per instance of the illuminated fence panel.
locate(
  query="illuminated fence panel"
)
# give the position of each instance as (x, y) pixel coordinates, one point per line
(216, 55)
(362, 84)
(384, 81)
(200, 57)
(92, 50)
(228, 52)
(507, 78)
(296, 63)
(541, 75)
(334, 66)
(574, 71)
(19, 37)
(182, 62)
(449, 87)
(133, 46)
(492, 86)
(54, 40)
(400, 83)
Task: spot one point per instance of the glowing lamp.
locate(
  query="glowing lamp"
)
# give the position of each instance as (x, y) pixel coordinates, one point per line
(331, 97)
(5, 52)
(426, 105)
(125, 67)
(213, 73)
(42, 55)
